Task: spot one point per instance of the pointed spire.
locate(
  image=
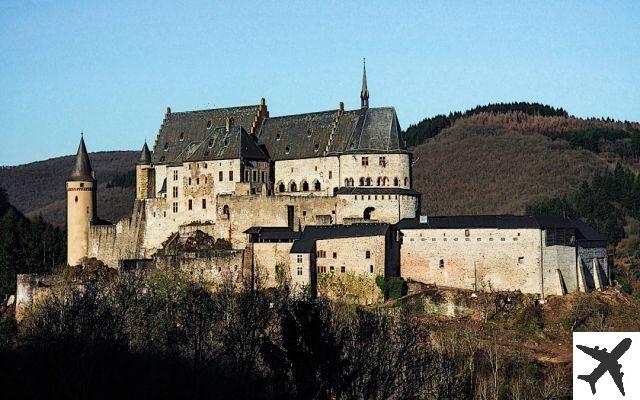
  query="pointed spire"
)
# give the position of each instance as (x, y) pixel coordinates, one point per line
(145, 155)
(364, 94)
(82, 170)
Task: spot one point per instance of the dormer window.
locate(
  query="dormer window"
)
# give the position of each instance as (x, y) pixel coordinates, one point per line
(308, 132)
(316, 147)
(210, 143)
(287, 149)
(209, 124)
(166, 146)
(278, 136)
(181, 136)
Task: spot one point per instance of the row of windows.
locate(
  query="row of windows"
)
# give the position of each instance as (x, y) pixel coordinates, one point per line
(455, 239)
(375, 197)
(322, 269)
(441, 263)
(293, 187)
(323, 254)
(382, 161)
(252, 176)
(380, 181)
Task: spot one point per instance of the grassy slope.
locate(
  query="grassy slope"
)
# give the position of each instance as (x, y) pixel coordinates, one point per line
(486, 166)
(39, 187)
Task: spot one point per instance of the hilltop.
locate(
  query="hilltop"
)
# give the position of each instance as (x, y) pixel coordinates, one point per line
(504, 161)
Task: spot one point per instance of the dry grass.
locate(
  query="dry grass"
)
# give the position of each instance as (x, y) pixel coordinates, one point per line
(477, 167)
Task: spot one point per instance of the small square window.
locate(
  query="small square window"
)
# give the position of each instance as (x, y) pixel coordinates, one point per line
(331, 269)
(335, 255)
(441, 263)
(466, 233)
(343, 269)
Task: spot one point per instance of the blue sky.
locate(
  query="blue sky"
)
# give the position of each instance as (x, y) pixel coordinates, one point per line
(111, 68)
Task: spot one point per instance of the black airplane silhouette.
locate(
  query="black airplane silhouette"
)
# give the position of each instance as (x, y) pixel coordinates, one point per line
(608, 362)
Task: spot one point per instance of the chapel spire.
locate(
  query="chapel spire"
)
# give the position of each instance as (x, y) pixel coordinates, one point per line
(364, 94)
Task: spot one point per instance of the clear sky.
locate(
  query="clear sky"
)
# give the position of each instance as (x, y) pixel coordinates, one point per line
(112, 68)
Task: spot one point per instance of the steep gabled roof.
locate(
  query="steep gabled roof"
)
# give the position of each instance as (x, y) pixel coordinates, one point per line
(82, 170)
(332, 132)
(221, 144)
(182, 132)
(298, 136)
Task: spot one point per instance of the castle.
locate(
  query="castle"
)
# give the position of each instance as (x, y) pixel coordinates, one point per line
(327, 192)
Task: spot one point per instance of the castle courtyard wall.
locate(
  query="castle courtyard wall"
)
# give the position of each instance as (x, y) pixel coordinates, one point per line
(500, 259)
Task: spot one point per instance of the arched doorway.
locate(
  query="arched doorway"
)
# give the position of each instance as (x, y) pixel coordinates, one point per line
(367, 213)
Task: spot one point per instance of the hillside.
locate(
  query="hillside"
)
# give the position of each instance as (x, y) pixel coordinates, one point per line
(39, 187)
(502, 163)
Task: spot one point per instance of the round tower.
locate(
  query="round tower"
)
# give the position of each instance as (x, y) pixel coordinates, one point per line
(81, 206)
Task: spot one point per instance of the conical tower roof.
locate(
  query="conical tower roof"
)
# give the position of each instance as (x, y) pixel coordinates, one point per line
(82, 170)
(145, 155)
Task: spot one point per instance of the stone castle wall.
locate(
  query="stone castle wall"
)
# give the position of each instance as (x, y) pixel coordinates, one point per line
(124, 240)
(324, 170)
(502, 259)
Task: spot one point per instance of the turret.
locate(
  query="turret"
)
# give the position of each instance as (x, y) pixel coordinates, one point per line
(145, 175)
(81, 206)
(364, 93)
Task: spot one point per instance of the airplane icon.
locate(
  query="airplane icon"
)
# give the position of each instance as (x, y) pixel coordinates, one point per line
(608, 363)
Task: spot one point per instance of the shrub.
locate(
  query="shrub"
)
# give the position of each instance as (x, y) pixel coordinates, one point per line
(392, 287)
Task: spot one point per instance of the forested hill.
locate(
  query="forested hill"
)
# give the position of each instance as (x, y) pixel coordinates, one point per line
(38, 188)
(519, 161)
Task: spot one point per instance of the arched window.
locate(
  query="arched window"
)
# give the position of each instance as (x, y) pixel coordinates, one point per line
(406, 181)
(367, 213)
(225, 211)
(396, 182)
(316, 185)
(293, 187)
(379, 181)
(361, 181)
(346, 181)
(305, 186)
(385, 181)
(367, 254)
(281, 187)
(368, 181)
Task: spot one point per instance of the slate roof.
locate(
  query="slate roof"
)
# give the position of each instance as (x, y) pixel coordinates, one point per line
(181, 132)
(584, 231)
(311, 234)
(332, 132)
(376, 190)
(82, 170)
(273, 233)
(221, 144)
(145, 155)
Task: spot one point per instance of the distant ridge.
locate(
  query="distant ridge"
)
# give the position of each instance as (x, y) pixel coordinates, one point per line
(39, 187)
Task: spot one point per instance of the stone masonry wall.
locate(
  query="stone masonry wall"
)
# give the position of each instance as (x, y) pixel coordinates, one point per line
(325, 170)
(501, 259)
